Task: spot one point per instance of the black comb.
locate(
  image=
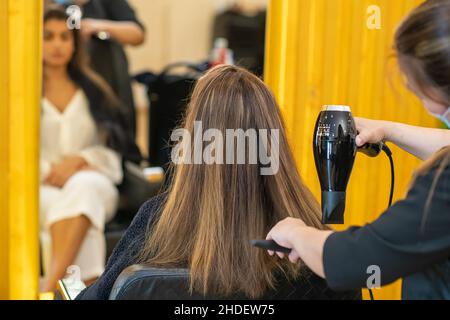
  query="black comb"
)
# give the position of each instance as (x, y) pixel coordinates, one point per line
(270, 245)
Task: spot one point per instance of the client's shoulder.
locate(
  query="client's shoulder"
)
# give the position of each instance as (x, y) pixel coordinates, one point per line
(147, 212)
(154, 203)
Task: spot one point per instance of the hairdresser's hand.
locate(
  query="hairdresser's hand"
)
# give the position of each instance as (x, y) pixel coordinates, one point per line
(371, 131)
(125, 32)
(90, 27)
(285, 234)
(63, 171)
(306, 243)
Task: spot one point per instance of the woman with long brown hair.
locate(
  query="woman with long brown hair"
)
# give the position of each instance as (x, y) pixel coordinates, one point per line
(219, 199)
(82, 142)
(412, 238)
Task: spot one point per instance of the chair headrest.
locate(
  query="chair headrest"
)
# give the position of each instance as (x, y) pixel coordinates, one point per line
(145, 283)
(140, 282)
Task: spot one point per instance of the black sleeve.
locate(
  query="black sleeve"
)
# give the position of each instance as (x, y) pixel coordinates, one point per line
(125, 253)
(120, 10)
(396, 242)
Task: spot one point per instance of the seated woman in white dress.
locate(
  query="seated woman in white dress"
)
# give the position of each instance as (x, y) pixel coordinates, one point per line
(82, 141)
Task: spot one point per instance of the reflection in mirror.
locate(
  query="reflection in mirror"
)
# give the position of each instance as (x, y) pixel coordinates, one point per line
(163, 46)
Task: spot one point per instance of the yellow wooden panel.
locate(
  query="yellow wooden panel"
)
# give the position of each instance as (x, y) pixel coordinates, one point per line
(20, 35)
(4, 144)
(322, 52)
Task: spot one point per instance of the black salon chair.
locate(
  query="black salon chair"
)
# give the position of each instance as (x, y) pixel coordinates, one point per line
(140, 282)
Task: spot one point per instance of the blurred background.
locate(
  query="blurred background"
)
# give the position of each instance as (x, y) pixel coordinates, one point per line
(185, 31)
(310, 52)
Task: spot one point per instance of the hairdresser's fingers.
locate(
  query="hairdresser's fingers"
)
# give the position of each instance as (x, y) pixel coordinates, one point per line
(369, 131)
(279, 233)
(361, 139)
(372, 135)
(271, 252)
(269, 237)
(293, 256)
(363, 131)
(278, 240)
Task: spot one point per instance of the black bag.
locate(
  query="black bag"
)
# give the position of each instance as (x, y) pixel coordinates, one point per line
(246, 37)
(168, 94)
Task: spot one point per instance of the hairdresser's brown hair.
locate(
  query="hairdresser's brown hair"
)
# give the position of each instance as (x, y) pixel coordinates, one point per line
(422, 43)
(213, 211)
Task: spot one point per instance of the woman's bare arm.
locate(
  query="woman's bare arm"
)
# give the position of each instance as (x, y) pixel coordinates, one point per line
(125, 32)
(420, 142)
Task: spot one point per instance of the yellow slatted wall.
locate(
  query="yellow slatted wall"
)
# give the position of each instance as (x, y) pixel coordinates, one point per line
(4, 139)
(322, 52)
(20, 78)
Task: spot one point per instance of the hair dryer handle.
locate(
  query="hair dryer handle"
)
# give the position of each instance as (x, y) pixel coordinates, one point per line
(371, 149)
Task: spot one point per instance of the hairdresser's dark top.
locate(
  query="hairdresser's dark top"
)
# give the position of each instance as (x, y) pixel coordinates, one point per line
(309, 286)
(108, 57)
(397, 244)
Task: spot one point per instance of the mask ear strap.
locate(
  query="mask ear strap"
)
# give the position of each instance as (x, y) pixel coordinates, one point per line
(445, 118)
(446, 113)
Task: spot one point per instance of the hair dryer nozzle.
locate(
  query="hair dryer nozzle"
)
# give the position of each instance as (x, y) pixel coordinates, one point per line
(333, 207)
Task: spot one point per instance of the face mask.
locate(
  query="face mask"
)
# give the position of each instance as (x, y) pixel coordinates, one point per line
(443, 117)
(64, 2)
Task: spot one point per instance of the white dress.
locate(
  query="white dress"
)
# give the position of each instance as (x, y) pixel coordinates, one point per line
(89, 193)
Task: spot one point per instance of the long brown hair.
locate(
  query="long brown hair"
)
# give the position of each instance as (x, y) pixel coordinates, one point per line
(422, 43)
(213, 211)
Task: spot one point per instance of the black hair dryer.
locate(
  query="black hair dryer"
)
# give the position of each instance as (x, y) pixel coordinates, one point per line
(334, 154)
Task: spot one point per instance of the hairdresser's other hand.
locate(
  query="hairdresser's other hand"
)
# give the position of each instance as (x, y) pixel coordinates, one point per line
(61, 172)
(370, 131)
(90, 27)
(124, 32)
(285, 233)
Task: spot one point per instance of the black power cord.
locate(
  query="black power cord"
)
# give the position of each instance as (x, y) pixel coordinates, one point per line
(371, 294)
(388, 152)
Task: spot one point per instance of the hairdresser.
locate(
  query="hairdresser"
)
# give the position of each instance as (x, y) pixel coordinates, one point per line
(411, 240)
